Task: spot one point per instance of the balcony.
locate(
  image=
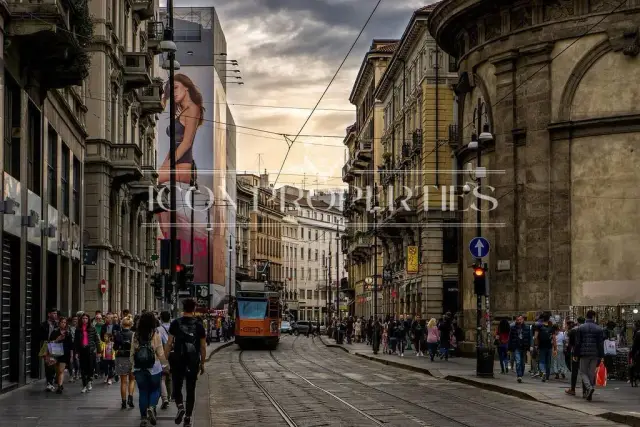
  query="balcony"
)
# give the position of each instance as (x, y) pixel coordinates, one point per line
(60, 29)
(364, 151)
(155, 34)
(417, 141)
(136, 70)
(360, 245)
(347, 172)
(126, 162)
(143, 8)
(151, 98)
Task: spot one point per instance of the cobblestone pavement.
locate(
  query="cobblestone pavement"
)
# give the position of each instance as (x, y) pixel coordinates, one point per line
(31, 406)
(618, 401)
(317, 386)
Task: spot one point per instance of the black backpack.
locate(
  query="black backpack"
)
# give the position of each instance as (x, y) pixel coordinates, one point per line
(544, 337)
(188, 344)
(145, 356)
(123, 343)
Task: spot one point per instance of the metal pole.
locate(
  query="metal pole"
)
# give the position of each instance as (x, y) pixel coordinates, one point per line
(338, 271)
(375, 251)
(209, 281)
(193, 211)
(479, 340)
(172, 165)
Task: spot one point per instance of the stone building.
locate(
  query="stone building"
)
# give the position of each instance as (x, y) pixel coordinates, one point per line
(44, 66)
(364, 153)
(555, 81)
(244, 204)
(290, 245)
(418, 103)
(120, 167)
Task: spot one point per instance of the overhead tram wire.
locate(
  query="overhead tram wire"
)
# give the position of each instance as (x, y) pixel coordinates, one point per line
(326, 90)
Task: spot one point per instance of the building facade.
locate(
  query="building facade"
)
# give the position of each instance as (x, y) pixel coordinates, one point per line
(120, 166)
(290, 245)
(417, 231)
(565, 130)
(319, 234)
(43, 108)
(363, 141)
(244, 204)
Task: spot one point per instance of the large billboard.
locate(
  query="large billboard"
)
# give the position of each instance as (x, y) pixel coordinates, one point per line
(200, 146)
(222, 255)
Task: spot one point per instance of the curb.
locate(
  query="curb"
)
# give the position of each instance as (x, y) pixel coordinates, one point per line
(617, 417)
(221, 347)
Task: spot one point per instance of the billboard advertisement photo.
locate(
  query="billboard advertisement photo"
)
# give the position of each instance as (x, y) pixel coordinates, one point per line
(198, 146)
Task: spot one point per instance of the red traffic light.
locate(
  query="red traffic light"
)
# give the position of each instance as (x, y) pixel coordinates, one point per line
(478, 271)
(179, 268)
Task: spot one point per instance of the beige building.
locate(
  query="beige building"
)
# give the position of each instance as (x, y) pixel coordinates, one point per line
(418, 103)
(120, 169)
(44, 117)
(363, 141)
(565, 122)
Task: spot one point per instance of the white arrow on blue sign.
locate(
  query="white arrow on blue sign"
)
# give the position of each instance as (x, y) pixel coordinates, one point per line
(479, 247)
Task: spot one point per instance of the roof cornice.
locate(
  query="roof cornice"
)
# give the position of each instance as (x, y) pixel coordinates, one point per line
(366, 66)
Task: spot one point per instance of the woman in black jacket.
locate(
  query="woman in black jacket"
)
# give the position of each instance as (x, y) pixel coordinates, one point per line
(86, 345)
(62, 335)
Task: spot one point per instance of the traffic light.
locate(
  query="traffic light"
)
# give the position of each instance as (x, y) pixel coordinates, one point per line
(180, 279)
(156, 283)
(479, 279)
(188, 276)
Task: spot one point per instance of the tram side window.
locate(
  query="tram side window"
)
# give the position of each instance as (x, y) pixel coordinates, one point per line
(252, 309)
(274, 309)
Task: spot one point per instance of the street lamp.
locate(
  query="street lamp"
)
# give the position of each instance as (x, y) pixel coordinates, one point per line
(484, 355)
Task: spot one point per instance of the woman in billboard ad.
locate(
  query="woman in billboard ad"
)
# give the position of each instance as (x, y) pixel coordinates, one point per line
(194, 152)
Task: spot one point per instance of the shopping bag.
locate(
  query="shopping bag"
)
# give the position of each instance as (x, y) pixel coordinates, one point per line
(56, 349)
(610, 348)
(44, 350)
(601, 375)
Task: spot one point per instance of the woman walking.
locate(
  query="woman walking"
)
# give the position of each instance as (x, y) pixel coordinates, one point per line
(433, 337)
(62, 335)
(124, 369)
(148, 362)
(86, 345)
(502, 342)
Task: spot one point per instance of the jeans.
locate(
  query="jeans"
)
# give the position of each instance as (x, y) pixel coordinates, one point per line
(520, 357)
(504, 358)
(559, 364)
(432, 347)
(178, 377)
(87, 365)
(575, 372)
(166, 387)
(148, 390)
(545, 361)
(588, 366)
(401, 345)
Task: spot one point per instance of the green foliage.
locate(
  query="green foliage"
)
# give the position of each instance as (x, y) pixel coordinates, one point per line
(81, 21)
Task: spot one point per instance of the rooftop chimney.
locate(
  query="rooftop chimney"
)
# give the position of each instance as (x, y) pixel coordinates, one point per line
(264, 180)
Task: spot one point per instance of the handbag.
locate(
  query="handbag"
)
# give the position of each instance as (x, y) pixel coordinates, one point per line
(56, 349)
(601, 375)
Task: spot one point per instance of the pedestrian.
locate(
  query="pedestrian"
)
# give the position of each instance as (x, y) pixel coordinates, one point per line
(575, 360)
(544, 342)
(148, 361)
(163, 330)
(433, 337)
(46, 329)
(502, 343)
(559, 365)
(86, 345)
(124, 369)
(62, 336)
(446, 328)
(519, 343)
(417, 329)
(187, 349)
(590, 349)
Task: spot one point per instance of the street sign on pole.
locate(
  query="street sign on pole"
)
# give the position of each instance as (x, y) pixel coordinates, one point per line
(479, 247)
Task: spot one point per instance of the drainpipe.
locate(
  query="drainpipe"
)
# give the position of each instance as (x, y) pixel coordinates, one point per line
(437, 68)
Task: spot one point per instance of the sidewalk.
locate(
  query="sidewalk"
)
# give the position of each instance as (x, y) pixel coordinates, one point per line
(31, 406)
(617, 402)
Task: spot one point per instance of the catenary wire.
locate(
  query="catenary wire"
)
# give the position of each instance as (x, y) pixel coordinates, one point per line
(327, 88)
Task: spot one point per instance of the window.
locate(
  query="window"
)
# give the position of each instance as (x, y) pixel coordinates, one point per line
(316, 235)
(309, 254)
(33, 150)
(248, 309)
(11, 123)
(316, 254)
(450, 245)
(323, 258)
(309, 273)
(317, 274)
(52, 167)
(309, 294)
(309, 234)
(453, 64)
(64, 180)
(301, 253)
(76, 190)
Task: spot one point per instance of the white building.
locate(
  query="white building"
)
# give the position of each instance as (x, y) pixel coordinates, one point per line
(320, 227)
(290, 251)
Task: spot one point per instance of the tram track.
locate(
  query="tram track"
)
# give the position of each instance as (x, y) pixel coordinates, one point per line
(432, 389)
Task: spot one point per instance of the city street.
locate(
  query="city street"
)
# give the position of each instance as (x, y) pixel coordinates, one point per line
(304, 383)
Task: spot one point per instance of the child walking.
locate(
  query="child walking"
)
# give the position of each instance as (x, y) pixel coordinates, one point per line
(109, 358)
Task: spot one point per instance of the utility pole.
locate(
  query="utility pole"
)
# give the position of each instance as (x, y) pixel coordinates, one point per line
(338, 271)
(173, 218)
(193, 211)
(329, 299)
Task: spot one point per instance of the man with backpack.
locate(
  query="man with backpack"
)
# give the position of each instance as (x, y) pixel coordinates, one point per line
(187, 349)
(546, 345)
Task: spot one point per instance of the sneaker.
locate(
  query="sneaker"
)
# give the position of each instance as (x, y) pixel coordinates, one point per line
(544, 380)
(109, 382)
(106, 380)
(124, 405)
(59, 390)
(570, 392)
(187, 422)
(401, 354)
(90, 386)
(50, 387)
(151, 416)
(165, 404)
(130, 401)
(144, 422)
(72, 380)
(519, 379)
(590, 394)
(84, 390)
(180, 415)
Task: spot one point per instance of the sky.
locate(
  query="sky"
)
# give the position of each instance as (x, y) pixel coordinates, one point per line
(288, 51)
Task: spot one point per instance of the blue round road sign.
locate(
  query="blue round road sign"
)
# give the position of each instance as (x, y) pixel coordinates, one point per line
(479, 247)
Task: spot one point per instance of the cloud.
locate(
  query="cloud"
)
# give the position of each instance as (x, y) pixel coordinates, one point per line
(288, 51)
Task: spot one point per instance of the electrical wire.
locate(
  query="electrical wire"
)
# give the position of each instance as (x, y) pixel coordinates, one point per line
(327, 88)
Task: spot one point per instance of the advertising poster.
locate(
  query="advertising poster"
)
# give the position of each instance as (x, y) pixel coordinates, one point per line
(197, 138)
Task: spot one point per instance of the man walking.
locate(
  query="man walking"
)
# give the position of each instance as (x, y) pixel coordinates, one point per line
(163, 330)
(187, 350)
(519, 341)
(46, 328)
(590, 350)
(574, 362)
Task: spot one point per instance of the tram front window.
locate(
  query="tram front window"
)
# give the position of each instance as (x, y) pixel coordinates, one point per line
(252, 309)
